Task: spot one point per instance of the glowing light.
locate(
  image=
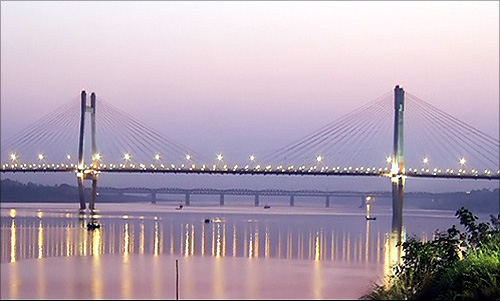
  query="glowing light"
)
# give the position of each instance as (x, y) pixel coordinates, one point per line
(13, 157)
(388, 159)
(40, 157)
(219, 157)
(98, 156)
(319, 158)
(126, 156)
(69, 157)
(188, 157)
(13, 213)
(157, 157)
(425, 160)
(252, 157)
(462, 161)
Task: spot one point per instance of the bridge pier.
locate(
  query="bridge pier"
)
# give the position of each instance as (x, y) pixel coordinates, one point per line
(397, 206)
(256, 200)
(292, 200)
(153, 197)
(188, 199)
(327, 203)
(81, 193)
(93, 194)
(222, 199)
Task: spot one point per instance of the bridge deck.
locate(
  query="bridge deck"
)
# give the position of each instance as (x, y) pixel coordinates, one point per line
(359, 173)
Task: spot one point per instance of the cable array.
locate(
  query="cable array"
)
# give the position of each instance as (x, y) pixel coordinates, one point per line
(360, 138)
(49, 139)
(122, 139)
(437, 140)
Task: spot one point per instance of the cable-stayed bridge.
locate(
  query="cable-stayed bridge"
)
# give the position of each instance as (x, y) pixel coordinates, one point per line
(396, 135)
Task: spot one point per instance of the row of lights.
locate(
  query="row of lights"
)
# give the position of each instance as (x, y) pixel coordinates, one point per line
(259, 168)
(425, 160)
(220, 157)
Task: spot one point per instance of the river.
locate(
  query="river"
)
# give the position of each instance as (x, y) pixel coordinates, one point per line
(230, 252)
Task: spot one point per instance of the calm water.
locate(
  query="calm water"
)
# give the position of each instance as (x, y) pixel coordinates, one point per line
(243, 252)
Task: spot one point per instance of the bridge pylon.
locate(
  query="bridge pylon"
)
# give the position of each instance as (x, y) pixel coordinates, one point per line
(82, 172)
(398, 163)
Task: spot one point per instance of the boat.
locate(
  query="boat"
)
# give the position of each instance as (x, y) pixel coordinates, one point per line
(179, 208)
(92, 226)
(370, 218)
(267, 207)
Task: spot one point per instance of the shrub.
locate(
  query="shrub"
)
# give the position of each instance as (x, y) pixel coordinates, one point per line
(454, 265)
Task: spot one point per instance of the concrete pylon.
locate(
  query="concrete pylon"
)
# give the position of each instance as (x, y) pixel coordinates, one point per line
(398, 164)
(83, 173)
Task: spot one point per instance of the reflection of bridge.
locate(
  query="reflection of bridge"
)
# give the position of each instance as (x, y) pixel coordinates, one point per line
(357, 144)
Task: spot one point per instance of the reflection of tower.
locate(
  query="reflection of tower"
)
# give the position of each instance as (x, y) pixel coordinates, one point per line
(83, 173)
(13, 241)
(392, 251)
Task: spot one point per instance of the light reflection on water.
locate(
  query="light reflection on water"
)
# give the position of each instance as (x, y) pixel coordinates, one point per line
(234, 237)
(142, 243)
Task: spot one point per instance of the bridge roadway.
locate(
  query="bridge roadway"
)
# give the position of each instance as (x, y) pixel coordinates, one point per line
(240, 171)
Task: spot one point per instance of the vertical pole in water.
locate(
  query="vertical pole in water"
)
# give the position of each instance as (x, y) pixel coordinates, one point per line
(327, 204)
(292, 200)
(177, 279)
(79, 178)
(398, 164)
(93, 191)
(222, 199)
(256, 200)
(188, 200)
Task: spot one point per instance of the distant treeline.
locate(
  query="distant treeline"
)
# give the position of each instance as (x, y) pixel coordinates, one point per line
(15, 191)
(483, 200)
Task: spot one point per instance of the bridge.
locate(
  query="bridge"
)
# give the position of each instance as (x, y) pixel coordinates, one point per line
(396, 135)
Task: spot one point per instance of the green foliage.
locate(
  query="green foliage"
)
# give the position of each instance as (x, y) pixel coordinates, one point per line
(454, 265)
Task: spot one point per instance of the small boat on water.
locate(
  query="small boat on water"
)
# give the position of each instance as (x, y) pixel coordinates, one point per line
(179, 208)
(267, 207)
(370, 218)
(92, 226)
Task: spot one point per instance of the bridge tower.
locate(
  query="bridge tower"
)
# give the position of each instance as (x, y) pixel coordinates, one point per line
(398, 164)
(83, 173)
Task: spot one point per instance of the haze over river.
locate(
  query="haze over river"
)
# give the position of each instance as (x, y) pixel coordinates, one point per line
(241, 252)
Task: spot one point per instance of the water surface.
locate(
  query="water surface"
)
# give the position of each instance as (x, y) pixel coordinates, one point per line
(223, 252)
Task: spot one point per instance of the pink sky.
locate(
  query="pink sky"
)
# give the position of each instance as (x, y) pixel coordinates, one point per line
(248, 75)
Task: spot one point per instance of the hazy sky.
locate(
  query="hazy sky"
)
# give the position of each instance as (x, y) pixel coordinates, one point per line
(239, 76)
